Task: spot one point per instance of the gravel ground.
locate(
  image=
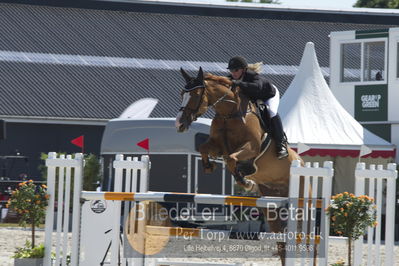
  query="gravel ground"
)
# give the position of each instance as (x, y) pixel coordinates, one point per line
(14, 237)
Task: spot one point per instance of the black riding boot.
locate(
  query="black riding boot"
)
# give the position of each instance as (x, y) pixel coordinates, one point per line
(279, 137)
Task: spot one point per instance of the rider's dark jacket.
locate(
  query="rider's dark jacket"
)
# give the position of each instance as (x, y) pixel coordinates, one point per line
(255, 86)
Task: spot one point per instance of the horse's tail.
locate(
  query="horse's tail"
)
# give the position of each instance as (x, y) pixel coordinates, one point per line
(257, 67)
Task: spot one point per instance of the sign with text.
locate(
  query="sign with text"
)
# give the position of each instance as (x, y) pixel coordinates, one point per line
(371, 103)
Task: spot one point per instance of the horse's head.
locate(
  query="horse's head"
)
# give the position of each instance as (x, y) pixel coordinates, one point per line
(194, 100)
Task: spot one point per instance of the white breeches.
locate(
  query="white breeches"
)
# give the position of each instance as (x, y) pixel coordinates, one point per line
(273, 103)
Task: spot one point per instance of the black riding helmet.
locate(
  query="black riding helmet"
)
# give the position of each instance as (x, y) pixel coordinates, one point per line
(237, 62)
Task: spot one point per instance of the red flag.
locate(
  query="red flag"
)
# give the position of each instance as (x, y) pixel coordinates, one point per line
(145, 144)
(79, 141)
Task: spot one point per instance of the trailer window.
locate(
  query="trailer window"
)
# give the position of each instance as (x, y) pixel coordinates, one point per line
(350, 62)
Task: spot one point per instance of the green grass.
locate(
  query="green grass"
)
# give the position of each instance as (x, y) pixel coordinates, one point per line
(16, 225)
(9, 225)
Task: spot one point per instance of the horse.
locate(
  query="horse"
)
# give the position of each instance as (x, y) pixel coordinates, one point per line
(236, 135)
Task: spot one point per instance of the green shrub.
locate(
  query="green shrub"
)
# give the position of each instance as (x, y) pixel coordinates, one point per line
(28, 251)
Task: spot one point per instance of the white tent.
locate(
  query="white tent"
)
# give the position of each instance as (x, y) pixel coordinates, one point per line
(312, 115)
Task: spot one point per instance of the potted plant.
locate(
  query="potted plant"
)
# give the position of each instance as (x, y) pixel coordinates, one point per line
(29, 255)
(350, 216)
(29, 201)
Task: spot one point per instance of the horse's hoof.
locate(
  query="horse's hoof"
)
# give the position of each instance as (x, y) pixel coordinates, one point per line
(250, 186)
(209, 168)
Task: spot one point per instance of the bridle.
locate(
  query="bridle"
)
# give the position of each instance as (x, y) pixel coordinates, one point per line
(195, 110)
(203, 87)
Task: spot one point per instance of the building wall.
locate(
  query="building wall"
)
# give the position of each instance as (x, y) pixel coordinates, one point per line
(31, 139)
(382, 120)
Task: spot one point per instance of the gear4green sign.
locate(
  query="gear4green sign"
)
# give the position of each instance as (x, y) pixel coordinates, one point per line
(371, 103)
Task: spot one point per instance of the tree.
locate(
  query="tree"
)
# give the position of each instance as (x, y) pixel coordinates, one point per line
(91, 171)
(30, 202)
(377, 3)
(350, 216)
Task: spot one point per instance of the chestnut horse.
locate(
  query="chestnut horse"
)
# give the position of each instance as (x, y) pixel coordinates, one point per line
(236, 135)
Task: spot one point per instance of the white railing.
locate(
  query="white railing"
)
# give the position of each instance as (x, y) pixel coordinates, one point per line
(62, 167)
(59, 169)
(313, 178)
(126, 171)
(379, 184)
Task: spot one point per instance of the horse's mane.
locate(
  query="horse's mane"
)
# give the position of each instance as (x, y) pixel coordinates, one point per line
(225, 81)
(218, 79)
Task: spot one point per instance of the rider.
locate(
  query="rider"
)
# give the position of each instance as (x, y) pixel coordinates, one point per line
(256, 87)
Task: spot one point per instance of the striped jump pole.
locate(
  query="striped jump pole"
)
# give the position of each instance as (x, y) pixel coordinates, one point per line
(262, 202)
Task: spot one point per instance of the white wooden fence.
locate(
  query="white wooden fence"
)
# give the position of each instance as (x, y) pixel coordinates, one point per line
(317, 184)
(314, 178)
(380, 184)
(63, 167)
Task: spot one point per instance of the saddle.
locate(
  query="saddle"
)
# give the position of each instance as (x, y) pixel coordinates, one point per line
(262, 112)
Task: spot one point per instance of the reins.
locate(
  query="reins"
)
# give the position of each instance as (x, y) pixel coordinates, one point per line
(237, 114)
(221, 99)
(225, 118)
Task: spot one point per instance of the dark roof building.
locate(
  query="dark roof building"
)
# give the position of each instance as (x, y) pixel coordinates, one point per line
(81, 63)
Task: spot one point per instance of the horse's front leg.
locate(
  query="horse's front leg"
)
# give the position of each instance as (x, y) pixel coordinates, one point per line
(247, 151)
(206, 149)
